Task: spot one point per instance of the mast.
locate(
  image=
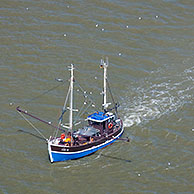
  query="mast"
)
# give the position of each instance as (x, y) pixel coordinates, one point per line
(71, 101)
(105, 77)
(105, 66)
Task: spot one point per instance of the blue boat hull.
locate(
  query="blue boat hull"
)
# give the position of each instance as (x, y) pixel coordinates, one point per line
(62, 156)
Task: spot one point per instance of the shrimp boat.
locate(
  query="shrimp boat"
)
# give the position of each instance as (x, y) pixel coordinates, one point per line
(102, 129)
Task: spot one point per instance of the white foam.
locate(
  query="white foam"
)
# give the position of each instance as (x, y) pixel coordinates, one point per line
(158, 96)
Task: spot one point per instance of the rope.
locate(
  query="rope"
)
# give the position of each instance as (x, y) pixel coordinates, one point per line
(32, 125)
(64, 107)
(81, 112)
(84, 91)
(63, 111)
(85, 109)
(43, 93)
(77, 116)
(57, 130)
(110, 91)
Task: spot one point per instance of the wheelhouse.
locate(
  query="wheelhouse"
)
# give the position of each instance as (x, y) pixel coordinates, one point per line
(102, 121)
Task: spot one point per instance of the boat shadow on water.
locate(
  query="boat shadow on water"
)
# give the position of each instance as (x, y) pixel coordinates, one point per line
(115, 158)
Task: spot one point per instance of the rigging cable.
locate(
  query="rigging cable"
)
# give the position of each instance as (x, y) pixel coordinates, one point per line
(110, 92)
(85, 110)
(116, 105)
(78, 115)
(43, 93)
(63, 111)
(64, 107)
(81, 112)
(84, 92)
(36, 97)
(32, 125)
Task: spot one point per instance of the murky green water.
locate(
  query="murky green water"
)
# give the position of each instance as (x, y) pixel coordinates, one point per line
(150, 45)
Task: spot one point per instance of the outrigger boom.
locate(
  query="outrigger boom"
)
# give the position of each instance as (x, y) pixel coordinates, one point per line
(37, 118)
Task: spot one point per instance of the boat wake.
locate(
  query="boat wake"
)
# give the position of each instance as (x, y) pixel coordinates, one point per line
(163, 92)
